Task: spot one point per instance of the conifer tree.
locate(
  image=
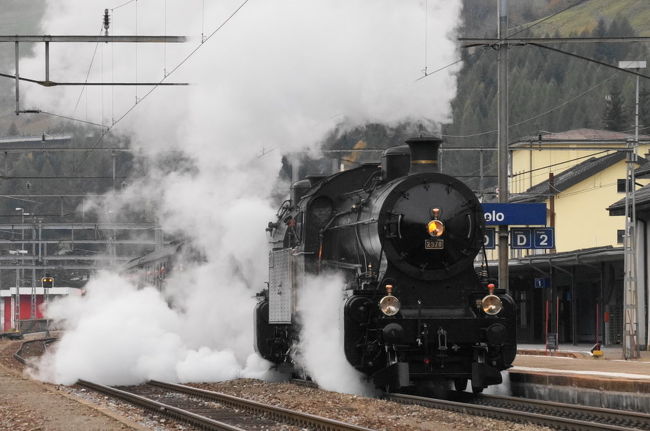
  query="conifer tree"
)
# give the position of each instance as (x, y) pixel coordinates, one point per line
(614, 115)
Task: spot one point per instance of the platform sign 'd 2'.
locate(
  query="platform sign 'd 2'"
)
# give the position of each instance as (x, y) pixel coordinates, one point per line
(536, 238)
(522, 238)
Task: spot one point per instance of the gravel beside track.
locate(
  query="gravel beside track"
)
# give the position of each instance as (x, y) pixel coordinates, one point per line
(367, 412)
(555, 415)
(28, 405)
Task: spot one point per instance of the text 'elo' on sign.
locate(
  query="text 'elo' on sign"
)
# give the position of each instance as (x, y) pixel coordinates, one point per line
(515, 214)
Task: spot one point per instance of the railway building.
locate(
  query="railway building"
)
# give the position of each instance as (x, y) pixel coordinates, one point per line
(575, 290)
(27, 295)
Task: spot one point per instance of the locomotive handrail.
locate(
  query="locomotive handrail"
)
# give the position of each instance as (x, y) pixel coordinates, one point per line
(356, 223)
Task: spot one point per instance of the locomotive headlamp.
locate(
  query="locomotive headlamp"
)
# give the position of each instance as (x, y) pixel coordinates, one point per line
(491, 304)
(435, 227)
(389, 305)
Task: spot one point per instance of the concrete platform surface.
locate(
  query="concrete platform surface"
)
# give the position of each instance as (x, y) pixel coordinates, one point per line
(577, 360)
(535, 371)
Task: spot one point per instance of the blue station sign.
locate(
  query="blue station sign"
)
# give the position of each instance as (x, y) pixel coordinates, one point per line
(544, 238)
(489, 239)
(515, 214)
(521, 238)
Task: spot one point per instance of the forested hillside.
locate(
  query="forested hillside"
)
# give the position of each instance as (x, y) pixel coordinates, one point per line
(550, 91)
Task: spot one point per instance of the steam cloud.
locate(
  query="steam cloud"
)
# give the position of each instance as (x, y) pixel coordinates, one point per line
(275, 79)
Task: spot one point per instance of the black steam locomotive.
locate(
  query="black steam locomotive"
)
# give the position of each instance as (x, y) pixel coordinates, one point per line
(406, 237)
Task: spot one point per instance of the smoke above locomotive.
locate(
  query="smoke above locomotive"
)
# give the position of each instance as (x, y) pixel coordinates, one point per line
(276, 79)
(405, 238)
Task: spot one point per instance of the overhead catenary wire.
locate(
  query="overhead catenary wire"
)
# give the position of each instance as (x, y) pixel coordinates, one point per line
(559, 163)
(103, 126)
(174, 69)
(591, 60)
(566, 102)
(426, 37)
(90, 66)
(440, 69)
(123, 4)
(426, 73)
(555, 108)
(136, 52)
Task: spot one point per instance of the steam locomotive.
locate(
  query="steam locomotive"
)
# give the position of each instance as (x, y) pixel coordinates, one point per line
(414, 310)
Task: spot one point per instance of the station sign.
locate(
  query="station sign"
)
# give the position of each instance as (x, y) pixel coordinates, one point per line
(542, 283)
(535, 238)
(489, 239)
(521, 238)
(514, 214)
(544, 238)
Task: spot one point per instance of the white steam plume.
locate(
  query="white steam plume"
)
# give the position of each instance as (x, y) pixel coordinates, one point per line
(277, 77)
(320, 352)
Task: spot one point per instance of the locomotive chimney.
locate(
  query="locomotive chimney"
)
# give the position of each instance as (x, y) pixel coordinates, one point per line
(424, 154)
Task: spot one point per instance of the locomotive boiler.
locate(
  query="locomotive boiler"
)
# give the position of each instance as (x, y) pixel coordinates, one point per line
(414, 310)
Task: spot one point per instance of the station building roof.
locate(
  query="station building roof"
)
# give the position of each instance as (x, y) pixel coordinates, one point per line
(642, 197)
(578, 136)
(569, 258)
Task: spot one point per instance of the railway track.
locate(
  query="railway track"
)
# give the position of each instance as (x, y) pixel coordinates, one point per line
(213, 410)
(219, 411)
(545, 413)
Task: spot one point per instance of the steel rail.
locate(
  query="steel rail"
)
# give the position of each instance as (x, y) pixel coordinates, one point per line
(272, 412)
(505, 414)
(603, 415)
(160, 408)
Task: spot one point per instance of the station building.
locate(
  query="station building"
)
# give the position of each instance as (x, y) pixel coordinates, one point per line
(576, 289)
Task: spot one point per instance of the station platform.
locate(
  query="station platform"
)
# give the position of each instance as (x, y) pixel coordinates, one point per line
(572, 374)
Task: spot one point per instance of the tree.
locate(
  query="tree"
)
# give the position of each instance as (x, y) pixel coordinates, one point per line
(614, 115)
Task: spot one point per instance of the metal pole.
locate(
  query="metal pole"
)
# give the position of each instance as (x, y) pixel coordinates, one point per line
(635, 285)
(17, 52)
(17, 303)
(502, 67)
(22, 244)
(47, 61)
(33, 310)
(40, 239)
(113, 154)
(481, 182)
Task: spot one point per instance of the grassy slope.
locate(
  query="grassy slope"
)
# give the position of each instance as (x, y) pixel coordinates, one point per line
(586, 16)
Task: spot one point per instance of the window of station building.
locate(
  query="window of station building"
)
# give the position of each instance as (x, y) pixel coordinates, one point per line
(620, 234)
